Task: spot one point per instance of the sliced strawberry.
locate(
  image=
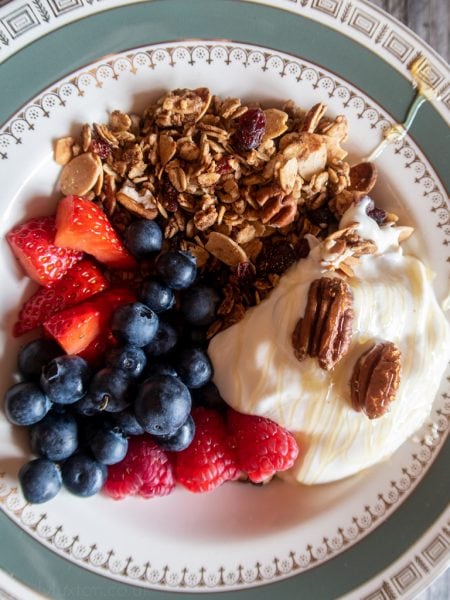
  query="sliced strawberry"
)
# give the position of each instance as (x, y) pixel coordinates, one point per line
(75, 328)
(33, 243)
(82, 225)
(80, 282)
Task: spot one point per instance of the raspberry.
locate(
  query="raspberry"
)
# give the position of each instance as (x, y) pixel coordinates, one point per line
(208, 461)
(262, 447)
(145, 471)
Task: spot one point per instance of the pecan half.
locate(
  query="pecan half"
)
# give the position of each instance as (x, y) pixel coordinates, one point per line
(325, 330)
(363, 177)
(375, 379)
(277, 209)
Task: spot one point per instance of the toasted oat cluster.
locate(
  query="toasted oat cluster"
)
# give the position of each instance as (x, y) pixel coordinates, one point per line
(236, 185)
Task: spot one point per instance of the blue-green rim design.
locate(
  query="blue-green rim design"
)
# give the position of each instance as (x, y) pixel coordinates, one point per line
(38, 65)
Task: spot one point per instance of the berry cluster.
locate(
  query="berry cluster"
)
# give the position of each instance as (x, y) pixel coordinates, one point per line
(118, 391)
(227, 445)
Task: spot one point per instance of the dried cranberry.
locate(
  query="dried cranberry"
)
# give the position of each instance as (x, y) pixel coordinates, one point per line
(169, 196)
(250, 128)
(322, 217)
(377, 214)
(101, 148)
(275, 258)
(245, 273)
(223, 165)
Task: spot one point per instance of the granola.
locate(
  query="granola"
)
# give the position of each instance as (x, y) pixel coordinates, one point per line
(178, 163)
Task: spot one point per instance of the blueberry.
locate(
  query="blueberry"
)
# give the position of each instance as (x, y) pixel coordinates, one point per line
(55, 437)
(40, 480)
(134, 324)
(109, 389)
(177, 269)
(127, 422)
(199, 304)
(87, 406)
(64, 379)
(26, 404)
(162, 405)
(108, 445)
(129, 359)
(165, 340)
(208, 395)
(143, 237)
(83, 475)
(180, 440)
(156, 296)
(194, 367)
(160, 368)
(35, 355)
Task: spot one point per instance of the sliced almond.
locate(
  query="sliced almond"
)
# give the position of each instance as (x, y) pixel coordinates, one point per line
(287, 175)
(312, 157)
(136, 208)
(225, 249)
(63, 150)
(276, 123)
(80, 175)
(86, 137)
(167, 148)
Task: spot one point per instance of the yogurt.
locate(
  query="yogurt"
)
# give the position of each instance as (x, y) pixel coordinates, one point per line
(393, 298)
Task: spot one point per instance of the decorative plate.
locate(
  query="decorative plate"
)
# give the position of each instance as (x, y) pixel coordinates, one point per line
(381, 534)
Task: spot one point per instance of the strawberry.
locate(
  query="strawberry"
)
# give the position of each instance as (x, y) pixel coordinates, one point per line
(208, 461)
(262, 447)
(146, 471)
(80, 282)
(82, 225)
(94, 353)
(33, 244)
(74, 328)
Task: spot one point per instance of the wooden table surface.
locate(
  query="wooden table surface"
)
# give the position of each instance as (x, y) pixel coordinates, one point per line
(430, 19)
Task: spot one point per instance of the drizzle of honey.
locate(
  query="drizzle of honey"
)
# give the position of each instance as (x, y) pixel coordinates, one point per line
(398, 131)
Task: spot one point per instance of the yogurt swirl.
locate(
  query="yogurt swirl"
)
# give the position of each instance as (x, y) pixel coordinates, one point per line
(257, 373)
